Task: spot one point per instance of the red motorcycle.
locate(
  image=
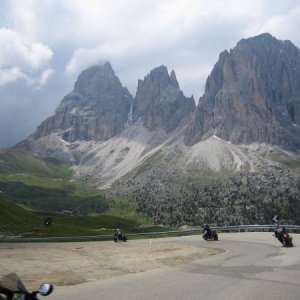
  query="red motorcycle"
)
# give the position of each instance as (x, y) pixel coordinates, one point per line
(12, 288)
(283, 236)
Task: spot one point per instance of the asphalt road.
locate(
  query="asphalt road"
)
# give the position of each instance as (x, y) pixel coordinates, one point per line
(252, 266)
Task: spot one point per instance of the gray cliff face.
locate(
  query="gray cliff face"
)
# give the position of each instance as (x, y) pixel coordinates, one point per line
(159, 101)
(97, 108)
(252, 95)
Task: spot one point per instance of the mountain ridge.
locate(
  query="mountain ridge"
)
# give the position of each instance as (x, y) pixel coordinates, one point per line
(233, 108)
(160, 147)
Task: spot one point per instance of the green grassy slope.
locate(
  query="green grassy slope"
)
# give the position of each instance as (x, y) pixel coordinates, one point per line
(32, 189)
(15, 220)
(45, 185)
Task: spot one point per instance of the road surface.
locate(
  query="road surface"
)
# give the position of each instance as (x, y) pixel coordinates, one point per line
(252, 266)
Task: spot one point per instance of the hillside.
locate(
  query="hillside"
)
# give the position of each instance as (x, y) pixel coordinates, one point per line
(17, 221)
(45, 185)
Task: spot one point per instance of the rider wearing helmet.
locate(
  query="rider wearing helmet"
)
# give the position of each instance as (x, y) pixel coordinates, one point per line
(206, 228)
(118, 233)
(279, 231)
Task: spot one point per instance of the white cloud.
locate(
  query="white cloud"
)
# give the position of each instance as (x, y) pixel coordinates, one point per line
(21, 59)
(84, 58)
(284, 25)
(11, 75)
(48, 73)
(121, 31)
(39, 81)
(15, 51)
(24, 17)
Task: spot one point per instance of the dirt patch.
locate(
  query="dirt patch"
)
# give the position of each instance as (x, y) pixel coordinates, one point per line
(74, 263)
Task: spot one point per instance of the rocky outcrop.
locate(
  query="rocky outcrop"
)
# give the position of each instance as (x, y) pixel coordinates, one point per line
(252, 95)
(97, 108)
(159, 102)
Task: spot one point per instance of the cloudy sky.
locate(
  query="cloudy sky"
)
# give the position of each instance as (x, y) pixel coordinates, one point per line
(44, 45)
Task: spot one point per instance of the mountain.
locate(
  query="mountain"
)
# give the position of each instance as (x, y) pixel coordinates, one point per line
(100, 109)
(232, 159)
(252, 95)
(97, 108)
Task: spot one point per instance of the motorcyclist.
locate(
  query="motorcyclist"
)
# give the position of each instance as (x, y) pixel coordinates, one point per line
(279, 231)
(118, 233)
(207, 229)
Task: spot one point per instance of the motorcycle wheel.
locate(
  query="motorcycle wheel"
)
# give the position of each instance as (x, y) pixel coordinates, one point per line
(284, 243)
(216, 237)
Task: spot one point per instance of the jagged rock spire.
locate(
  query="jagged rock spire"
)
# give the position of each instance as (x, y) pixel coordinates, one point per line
(159, 101)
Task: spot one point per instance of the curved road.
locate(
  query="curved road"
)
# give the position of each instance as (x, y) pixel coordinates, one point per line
(252, 266)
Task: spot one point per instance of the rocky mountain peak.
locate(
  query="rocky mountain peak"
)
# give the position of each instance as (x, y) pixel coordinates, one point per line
(173, 80)
(159, 102)
(252, 95)
(99, 78)
(97, 108)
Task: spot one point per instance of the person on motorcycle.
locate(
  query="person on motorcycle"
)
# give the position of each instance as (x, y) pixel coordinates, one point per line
(207, 229)
(279, 231)
(118, 233)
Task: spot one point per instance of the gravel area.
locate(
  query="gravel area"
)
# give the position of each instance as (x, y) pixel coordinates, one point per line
(74, 263)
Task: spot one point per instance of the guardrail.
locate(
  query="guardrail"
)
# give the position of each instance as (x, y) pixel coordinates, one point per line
(237, 228)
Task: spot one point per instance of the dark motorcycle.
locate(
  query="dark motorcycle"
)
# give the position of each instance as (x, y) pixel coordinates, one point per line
(12, 288)
(210, 235)
(120, 237)
(283, 237)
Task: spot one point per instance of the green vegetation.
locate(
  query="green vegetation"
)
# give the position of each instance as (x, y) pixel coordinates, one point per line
(13, 162)
(32, 189)
(46, 185)
(17, 220)
(127, 207)
(53, 199)
(14, 219)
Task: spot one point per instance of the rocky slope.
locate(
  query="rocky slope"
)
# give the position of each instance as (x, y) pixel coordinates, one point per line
(252, 95)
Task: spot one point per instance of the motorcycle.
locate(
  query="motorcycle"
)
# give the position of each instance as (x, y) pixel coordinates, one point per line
(283, 237)
(210, 235)
(12, 288)
(120, 237)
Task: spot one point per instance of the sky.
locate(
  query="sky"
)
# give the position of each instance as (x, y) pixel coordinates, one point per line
(44, 45)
